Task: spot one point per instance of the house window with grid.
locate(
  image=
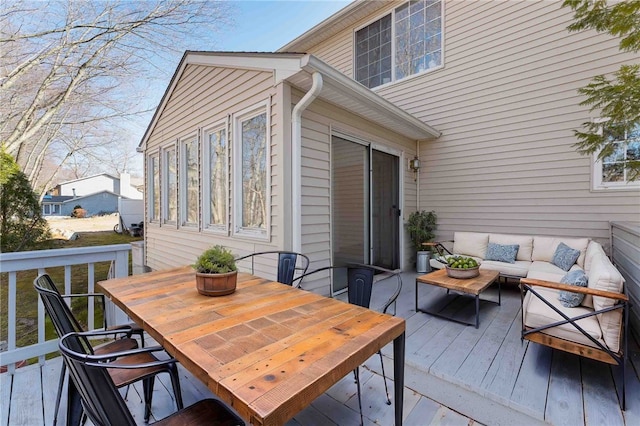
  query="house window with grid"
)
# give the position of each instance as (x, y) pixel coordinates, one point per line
(189, 181)
(154, 184)
(215, 181)
(169, 186)
(251, 177)
(612, 171)
(406, 42)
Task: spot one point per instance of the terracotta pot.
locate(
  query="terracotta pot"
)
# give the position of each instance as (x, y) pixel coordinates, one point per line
(216, 284)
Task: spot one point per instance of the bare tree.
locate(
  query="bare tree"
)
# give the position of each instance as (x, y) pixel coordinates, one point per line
(72, 72)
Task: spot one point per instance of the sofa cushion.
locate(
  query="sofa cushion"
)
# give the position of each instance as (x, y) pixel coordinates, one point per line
(571, 299)
(537, 314)
(547, 271)
(472, 244)
(524, 241)
(502, 252)
(564, 256)
(594, 250)
(604, 276)
(545, 247)
(519, 268)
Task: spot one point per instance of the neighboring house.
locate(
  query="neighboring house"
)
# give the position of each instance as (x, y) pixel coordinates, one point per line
(266, 151)
(96, 194)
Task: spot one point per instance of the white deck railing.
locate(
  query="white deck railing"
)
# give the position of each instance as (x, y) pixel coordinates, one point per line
(12, 263)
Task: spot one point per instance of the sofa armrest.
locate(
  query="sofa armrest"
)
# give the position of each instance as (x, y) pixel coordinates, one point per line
(574, 289)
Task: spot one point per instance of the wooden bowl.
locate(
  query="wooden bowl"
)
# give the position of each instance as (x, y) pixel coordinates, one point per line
(461, 273)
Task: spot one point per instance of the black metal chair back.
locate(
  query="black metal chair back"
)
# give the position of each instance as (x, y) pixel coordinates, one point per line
(360, 285)
(287, 264)
(61, 316)
(101, 399)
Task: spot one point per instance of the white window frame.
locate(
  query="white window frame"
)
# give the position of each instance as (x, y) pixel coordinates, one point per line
(394, 79)
(238, 118)
(164, 184)
(183, 192)
(596, 171)
(151, 199)
(206, 178)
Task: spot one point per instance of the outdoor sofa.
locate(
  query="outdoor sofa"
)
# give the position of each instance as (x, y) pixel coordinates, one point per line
(572, 295)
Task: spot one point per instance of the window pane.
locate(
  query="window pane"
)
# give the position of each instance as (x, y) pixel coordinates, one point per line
(218, 176)
(172, 186)
(190, 197)
(155, 190)
(373, 52)
(613, 172)
(418, 38)
(633, 151)
(254, 172)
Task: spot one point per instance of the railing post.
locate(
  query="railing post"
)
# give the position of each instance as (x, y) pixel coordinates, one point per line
(121, 269)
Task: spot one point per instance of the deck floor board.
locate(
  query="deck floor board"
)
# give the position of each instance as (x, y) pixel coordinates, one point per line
(456, 374)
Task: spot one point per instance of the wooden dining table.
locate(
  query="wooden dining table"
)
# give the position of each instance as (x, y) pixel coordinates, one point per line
(267, 349)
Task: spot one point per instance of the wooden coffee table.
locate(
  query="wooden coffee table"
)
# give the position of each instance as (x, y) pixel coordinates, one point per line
(471, 286)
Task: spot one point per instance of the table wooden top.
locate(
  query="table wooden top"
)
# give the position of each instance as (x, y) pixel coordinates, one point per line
(268, 349)
(471, 286)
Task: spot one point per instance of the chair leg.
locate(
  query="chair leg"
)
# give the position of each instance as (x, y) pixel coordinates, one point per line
(384, 377)
(175, 383)
(356, 373)
(63, 370)
(147, 386)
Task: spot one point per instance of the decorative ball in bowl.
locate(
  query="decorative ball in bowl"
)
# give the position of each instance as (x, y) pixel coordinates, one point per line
(462, 267)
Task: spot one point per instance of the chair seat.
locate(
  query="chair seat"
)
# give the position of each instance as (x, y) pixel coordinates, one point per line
(207, 411)
(126, 376)
(118, 345)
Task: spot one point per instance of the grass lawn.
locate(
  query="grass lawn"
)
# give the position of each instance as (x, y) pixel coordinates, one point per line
(27, 298)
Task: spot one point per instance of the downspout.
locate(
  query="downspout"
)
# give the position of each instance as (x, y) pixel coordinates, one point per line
(296, 159)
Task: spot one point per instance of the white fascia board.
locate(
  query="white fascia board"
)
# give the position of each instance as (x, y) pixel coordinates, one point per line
(357, 91)
(283, 65)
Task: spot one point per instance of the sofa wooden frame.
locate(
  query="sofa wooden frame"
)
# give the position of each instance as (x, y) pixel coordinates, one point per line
(601, 352)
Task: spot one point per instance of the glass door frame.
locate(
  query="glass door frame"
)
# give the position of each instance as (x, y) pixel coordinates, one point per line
(371, 146)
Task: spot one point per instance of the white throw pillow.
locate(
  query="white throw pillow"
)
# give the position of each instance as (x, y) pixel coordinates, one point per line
(470, 244)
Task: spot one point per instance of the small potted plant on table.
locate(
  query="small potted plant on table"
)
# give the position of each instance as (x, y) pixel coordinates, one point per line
(216, 272)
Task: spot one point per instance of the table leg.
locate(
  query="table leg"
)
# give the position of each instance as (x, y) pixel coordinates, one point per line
(416, 295)
(398, 376)
(477, 310)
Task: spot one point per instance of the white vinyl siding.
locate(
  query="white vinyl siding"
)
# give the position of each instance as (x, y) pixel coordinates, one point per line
(506, 103)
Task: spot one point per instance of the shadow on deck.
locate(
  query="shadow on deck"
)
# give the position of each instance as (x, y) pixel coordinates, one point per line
(455, 374)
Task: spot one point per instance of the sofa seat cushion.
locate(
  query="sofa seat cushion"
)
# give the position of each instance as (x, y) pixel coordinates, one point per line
(545, 247)
(604, 276)
(517, 269)
(537, 314)
(548, 271)
(525, 243)
(472, 244)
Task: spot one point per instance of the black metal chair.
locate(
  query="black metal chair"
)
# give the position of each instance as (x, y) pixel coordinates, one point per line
(360, 287)
(101, 399)
(65, 322)
(287, 264)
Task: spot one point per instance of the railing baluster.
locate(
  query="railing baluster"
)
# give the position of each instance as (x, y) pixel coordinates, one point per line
(90, 302)
(11, 334)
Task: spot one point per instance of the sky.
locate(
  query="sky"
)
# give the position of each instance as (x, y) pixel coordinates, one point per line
(267, 25)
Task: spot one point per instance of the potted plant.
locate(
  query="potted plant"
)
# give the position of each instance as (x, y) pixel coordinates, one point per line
(421, 227)
(216, 272)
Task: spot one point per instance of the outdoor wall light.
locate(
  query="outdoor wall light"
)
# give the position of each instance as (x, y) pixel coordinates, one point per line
(414, 165)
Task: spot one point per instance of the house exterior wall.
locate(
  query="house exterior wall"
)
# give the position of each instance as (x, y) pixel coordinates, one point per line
(90, 185)
(506, 103)
(98, 203)
(203, 96)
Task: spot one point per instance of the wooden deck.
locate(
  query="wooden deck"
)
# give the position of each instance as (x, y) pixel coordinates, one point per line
(455, 374)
